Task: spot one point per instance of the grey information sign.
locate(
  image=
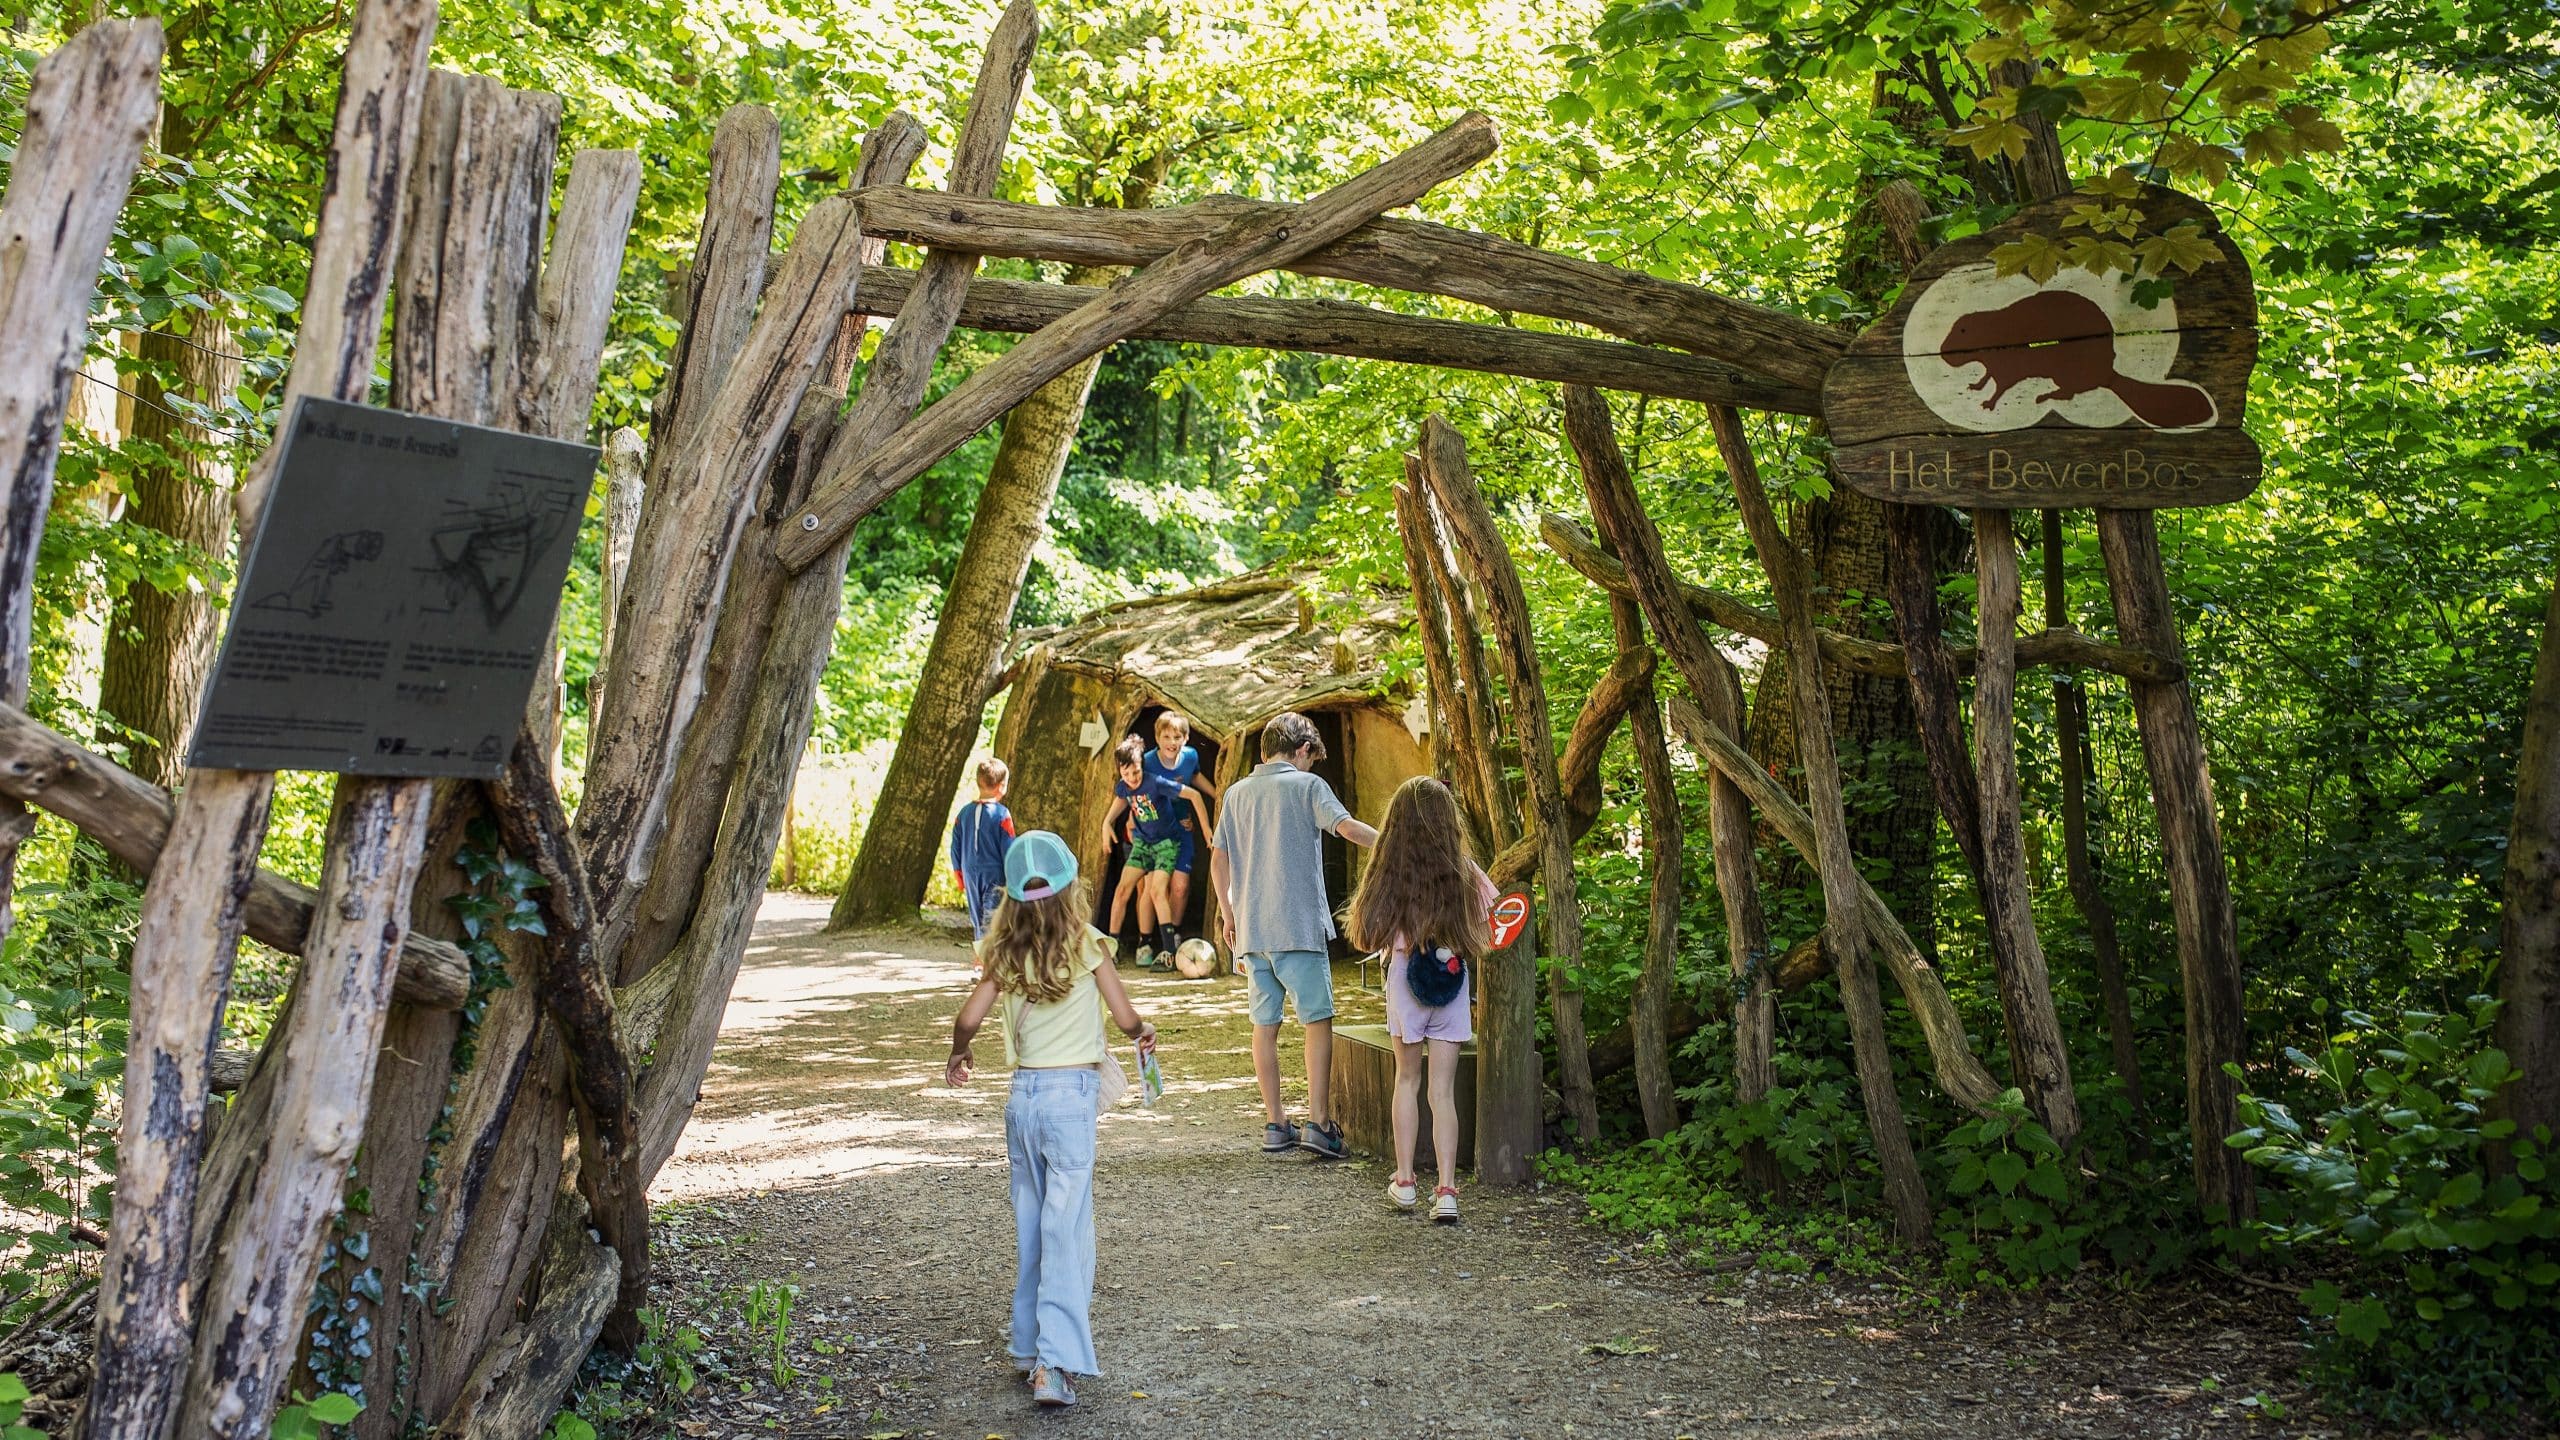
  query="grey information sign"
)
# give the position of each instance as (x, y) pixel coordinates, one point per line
(397, 602)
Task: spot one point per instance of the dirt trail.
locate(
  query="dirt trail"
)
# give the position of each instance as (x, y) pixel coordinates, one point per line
(1242, 1295)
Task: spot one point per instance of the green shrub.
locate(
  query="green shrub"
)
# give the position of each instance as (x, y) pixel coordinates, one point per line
(2453, 1305)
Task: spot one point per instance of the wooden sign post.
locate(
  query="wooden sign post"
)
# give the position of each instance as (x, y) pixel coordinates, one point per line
(1993, 391)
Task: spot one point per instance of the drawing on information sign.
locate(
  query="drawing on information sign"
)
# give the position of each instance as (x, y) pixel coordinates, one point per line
(487, 550)
(2054, 348)
(309, 592)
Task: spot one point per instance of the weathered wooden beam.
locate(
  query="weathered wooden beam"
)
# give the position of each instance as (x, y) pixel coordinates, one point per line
(1499, 274)
(1338, 327)
(689, 511)
(1958, 1071)
(2052, 646)
(1488, 562)
(1246, 245)
(130, 817)
(1624, 685)
(1837, 869)
(206, 882)
(89, 110)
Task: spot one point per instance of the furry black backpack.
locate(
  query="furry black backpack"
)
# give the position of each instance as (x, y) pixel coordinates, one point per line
(1435, 973)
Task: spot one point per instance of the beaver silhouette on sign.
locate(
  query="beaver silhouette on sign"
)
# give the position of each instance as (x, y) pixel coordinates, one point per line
(2064, 338)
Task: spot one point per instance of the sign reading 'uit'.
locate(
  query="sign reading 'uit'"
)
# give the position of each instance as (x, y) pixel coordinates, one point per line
(1993, 391)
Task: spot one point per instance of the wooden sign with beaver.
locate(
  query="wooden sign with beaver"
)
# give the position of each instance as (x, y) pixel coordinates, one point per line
(1985, 390)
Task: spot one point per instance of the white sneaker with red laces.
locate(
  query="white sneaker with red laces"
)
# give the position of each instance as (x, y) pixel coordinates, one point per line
(1402, 1192)
(1444, 1205)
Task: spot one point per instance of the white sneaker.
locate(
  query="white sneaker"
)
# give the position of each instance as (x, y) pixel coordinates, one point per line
(1402, 1192)
(1444, 1206)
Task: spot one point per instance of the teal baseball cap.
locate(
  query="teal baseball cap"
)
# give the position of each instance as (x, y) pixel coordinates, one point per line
(1038, 865)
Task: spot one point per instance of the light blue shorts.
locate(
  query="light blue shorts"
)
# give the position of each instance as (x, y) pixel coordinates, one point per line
(1306, 977)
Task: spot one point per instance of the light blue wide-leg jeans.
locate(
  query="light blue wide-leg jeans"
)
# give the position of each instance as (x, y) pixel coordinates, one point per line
(1048, 1137)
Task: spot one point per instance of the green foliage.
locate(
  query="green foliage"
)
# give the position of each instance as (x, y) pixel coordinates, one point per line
(62, 1044)
(618, 1395)
(769, 1321)
(1667, 1191)
(13, 1403)
(310, 1417)
(2453, 1305)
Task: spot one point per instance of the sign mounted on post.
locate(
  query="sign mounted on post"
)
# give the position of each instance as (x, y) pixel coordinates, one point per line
(1993, 391)
(1510, 917)
(395, 610)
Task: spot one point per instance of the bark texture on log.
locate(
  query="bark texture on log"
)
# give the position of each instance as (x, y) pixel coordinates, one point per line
(1501, 275)
(686, 532)
(204, 854)
(89, 111)
(1488, 561)
(1621, 688)
(466, 348)
(522, 1378)
(902, 842)
(626, 455)
(1844, 920)
(2199, 881)
(160, 643)
(2038, 1059)
(2529, 933)
(673, 1012)
(1454, 743)
(1247, 245)
(1651, 1013)
(131, 819)
(1717, 692)
(1338, 327)
(650, 928)
(1937, 702)
(2080, 860)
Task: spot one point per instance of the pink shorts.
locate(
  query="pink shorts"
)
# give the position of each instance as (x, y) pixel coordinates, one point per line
(1410, 1021)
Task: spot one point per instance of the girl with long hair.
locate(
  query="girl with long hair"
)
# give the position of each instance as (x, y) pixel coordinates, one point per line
(1425, 901)
(1053, 975)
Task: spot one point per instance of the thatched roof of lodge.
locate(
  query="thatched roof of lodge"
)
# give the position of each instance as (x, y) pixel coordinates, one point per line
(1235, 653)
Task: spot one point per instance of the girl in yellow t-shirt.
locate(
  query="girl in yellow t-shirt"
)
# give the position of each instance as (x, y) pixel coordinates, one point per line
(1052, 973)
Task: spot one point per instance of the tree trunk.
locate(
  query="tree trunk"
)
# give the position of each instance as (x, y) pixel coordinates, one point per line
(2080, 861)
(1444, 466)
(160, 643)
(2529, 971)
(1651, 1016)
(193, 911)
(2039, 1062)
(903, 841)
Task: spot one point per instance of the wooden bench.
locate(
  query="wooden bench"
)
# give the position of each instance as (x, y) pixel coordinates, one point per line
(1364, 1090)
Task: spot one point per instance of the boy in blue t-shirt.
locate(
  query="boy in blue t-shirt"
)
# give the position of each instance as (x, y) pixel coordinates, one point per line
(1155, 805)
(980, 834)
(1175, 760)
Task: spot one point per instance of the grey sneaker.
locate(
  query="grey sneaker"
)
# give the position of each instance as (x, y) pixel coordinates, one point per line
(1324, 1139)
(1052, 1387)
(1279, 1136)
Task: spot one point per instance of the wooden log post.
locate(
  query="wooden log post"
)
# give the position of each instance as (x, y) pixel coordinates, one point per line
(1613, 698)
(1454, 745)
(2080, 861)
(204, 861)
(2038, 1059)
(626, 459)
(1500, 814)
(1247, 245)
(673, 1011)
(1844, 920)
(467, 272)
(691, 506)
(1488, 561)
(1717, 691)
(1338, 327)
(90, 108)
(650, 927)
(2199, 881)
(2529, 920)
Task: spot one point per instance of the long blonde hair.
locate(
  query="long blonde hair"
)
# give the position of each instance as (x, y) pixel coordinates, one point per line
(1032, 944)
(1420, 885)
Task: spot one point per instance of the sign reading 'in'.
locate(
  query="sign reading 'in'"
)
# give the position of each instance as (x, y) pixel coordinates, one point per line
(2083, 389)
(395, 610)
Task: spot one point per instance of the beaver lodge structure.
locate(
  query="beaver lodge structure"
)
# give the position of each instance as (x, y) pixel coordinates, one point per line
(1227, 657)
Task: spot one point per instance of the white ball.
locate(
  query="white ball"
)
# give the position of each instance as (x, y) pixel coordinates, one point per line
(1197, 959)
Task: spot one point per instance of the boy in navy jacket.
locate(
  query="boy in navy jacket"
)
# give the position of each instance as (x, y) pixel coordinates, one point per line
(980, 834)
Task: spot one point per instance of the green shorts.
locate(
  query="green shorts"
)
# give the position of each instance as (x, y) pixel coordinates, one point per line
(1155, 856)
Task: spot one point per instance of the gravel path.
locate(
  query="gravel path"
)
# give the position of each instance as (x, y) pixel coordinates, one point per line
(1241, 1295)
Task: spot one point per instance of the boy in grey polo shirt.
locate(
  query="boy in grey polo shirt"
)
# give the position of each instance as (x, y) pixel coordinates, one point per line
(1267, 861)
